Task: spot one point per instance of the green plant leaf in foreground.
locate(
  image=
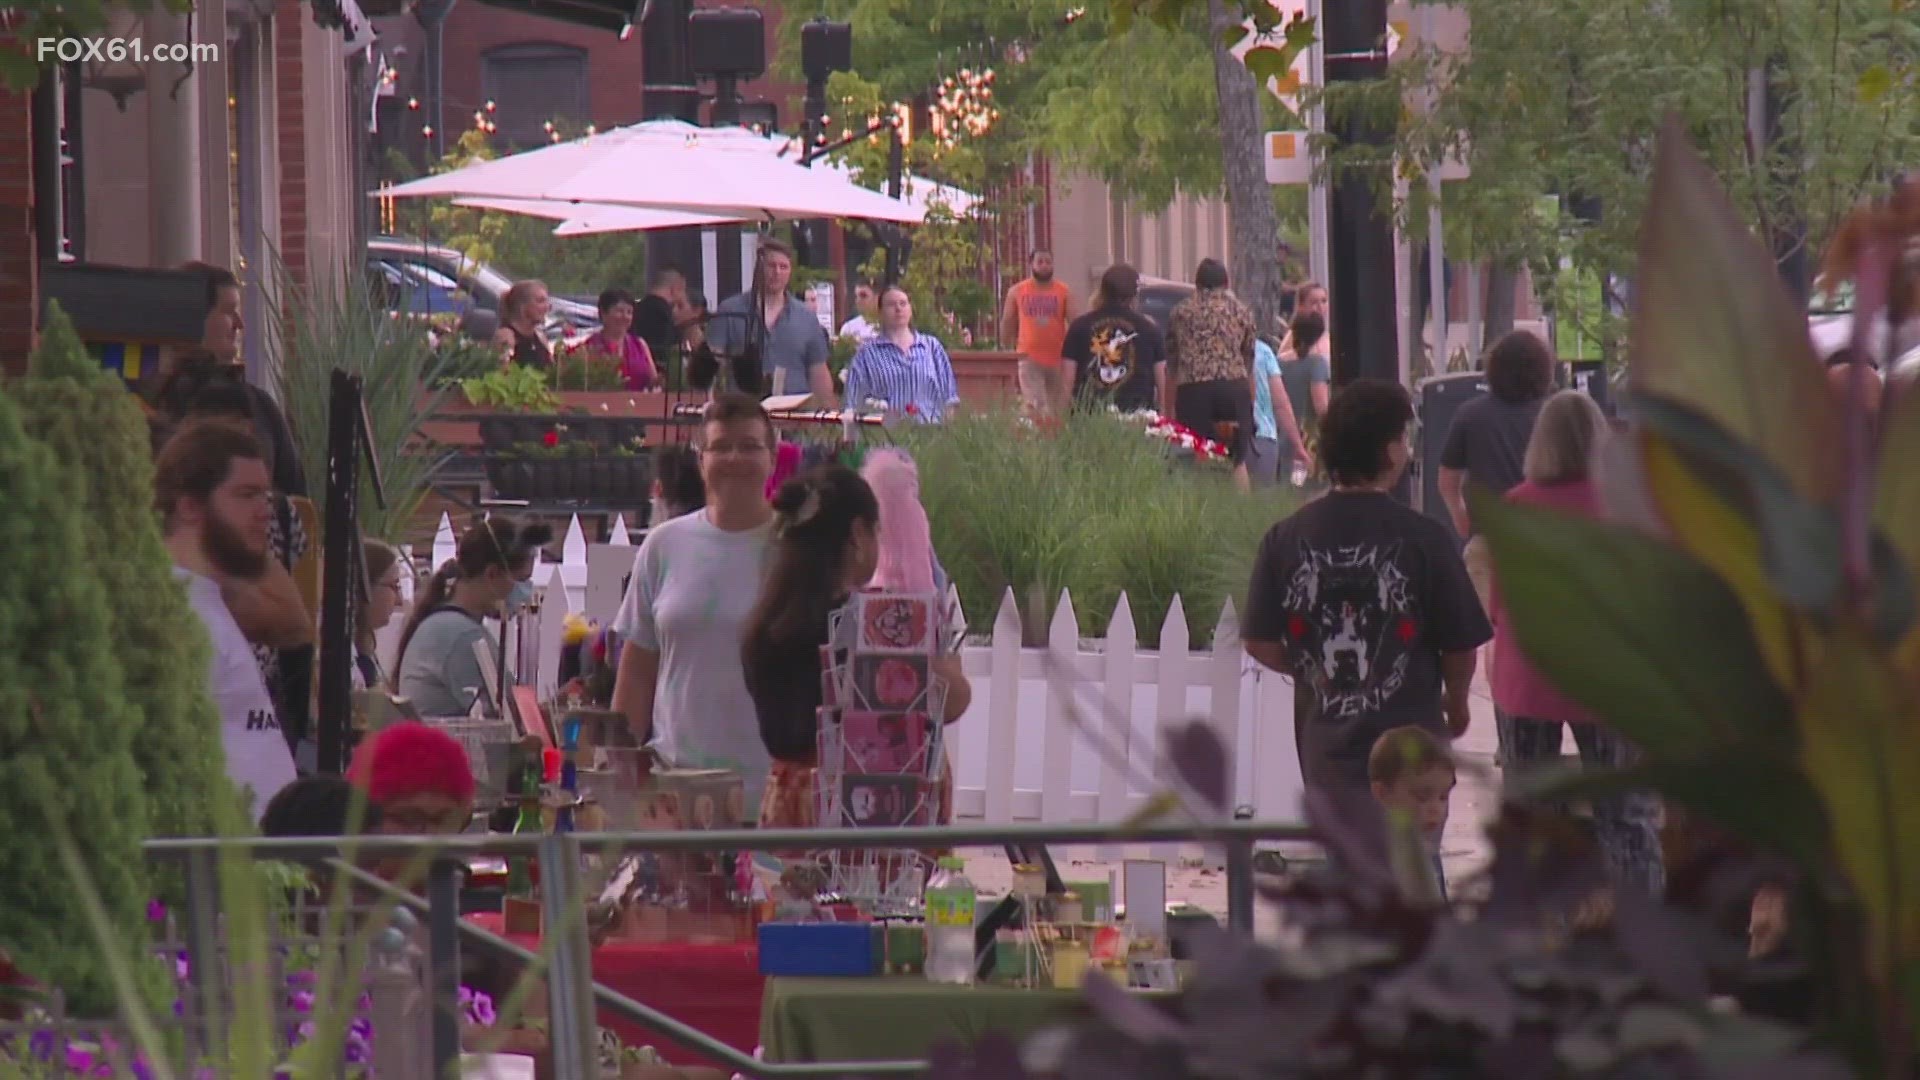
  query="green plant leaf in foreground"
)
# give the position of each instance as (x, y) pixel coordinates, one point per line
(1712, 330)
(1800, 538)
(1635, 630)
(1859, 749)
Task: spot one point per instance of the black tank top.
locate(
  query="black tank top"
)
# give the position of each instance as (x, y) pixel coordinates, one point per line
(530, 350)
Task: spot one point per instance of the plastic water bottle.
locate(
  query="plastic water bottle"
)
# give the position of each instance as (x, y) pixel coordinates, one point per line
(950, 904)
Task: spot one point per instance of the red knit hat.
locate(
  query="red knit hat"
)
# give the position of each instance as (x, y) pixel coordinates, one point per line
(410, 758)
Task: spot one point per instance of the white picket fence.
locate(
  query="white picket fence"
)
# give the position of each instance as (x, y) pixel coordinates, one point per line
(1018, 753)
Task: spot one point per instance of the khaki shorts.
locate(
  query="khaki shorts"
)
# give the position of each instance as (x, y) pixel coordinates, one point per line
(1043, 387)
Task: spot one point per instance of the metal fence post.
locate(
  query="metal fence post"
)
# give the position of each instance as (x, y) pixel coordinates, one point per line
(206, 1012)
(443, 963)
(571, 1025)
(400, 1042)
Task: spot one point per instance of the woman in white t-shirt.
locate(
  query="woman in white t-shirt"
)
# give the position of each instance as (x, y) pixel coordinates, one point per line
(491, 570)
(695, 580)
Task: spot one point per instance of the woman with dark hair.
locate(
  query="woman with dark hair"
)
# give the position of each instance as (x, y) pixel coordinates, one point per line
(617, 342)
(677, 487)
(523, 311)
(826, 547)
(384, 571)
(1210, 354)
(491, 571)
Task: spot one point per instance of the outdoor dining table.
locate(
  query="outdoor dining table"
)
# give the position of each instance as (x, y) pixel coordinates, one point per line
(893, 1018)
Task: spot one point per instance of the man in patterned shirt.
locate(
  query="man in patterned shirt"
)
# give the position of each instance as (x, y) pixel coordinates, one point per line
(1210, 339)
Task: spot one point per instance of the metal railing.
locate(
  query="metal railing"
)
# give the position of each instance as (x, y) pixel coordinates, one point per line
(566, 952)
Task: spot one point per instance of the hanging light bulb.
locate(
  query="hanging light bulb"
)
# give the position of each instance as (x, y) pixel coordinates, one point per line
(427, 130)
(490, 105)
(413, 103)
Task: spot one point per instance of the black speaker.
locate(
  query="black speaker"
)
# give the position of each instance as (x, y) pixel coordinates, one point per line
(727, 41)
(1439, 400)
(825, 47)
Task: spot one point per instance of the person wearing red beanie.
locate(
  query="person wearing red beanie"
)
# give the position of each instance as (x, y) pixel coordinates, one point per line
(419, 779)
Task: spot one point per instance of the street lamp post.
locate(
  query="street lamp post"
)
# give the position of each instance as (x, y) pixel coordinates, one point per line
(1360, 259)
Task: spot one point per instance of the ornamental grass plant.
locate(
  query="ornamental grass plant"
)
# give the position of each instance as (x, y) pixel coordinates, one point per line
(1093, 506)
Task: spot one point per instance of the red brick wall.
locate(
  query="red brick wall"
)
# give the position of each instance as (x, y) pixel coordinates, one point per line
(19, 262)
(614, 70)
(290, 107)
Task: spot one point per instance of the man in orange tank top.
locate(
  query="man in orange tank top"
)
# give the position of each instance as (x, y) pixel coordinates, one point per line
(1035, 318)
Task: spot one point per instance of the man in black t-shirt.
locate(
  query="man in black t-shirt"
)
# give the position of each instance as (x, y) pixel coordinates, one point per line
(655, 316)
(1364, 601)
(1488, 439)
(1116, 354)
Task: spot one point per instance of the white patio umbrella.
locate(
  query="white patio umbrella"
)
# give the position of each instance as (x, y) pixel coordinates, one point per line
(666, 165)
(600, 217)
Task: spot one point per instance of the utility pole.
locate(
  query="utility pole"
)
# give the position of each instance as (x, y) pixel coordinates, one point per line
(1360, 233)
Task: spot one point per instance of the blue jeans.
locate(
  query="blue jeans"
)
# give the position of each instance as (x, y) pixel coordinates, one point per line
(1626, 824)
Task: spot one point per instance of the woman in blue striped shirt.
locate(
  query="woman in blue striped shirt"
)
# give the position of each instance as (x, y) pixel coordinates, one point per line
(903, 369)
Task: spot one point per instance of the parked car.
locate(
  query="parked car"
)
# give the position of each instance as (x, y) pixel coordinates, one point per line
(424, 279)
(1157, 298)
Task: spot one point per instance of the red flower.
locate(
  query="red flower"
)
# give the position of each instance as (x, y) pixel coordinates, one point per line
(551, 438)
(912, 409)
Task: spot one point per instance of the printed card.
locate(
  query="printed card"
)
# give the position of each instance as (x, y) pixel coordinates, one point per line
(896, 622)
(889, 683)
(885, 742)
(879, 802)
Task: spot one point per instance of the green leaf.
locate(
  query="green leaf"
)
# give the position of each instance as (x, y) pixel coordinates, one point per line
(1800, 540)
(60, 353)
(1896, 508)
(1874, 83)
(1715, 330)
(1633, 629)
(1267, 62)
(1302, 32)
(1857, 723)
(1234, 34)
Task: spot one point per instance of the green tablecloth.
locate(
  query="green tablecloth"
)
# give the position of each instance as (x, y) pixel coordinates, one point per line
(892, 1019)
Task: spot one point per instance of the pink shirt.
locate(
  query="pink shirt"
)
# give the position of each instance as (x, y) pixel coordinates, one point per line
(636, 360)
(1517, 687)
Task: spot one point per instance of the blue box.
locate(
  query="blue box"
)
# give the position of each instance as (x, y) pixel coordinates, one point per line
(817, 949)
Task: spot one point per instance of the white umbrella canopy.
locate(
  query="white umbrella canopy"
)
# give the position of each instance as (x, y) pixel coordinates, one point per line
(599, 217)
(666, 165)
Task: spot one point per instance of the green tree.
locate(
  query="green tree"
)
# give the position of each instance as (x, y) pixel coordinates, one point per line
(1565, 99)
(1133, 103)
(66, 731)
(98, 432)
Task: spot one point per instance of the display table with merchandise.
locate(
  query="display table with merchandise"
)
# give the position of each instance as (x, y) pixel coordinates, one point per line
(715, 988)
(896, 1018)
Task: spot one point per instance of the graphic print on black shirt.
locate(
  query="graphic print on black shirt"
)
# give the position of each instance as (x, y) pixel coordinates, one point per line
(1114, 351)
(1353, 625)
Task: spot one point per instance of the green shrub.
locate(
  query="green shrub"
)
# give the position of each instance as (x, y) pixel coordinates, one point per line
(66, 732)
(1096, 508)
(98, 433)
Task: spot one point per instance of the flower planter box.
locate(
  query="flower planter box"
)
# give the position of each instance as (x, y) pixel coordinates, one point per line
(455, 423)
(610, 481)
(986, 378)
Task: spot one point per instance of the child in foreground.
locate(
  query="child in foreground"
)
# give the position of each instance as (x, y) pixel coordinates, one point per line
(1411, 773)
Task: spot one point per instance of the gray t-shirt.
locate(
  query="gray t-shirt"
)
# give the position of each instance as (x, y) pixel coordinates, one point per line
(1488, 440)
(692, 589)
(440, 674)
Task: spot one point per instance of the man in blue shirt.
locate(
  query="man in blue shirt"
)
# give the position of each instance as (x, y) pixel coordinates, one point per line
(793, 347)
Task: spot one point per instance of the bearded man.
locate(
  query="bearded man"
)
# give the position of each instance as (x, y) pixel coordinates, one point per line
(214, 495)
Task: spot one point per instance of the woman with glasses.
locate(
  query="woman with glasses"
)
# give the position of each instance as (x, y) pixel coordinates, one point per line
(383, 599)
(695, 579)
(417, 780)
(491, 573)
